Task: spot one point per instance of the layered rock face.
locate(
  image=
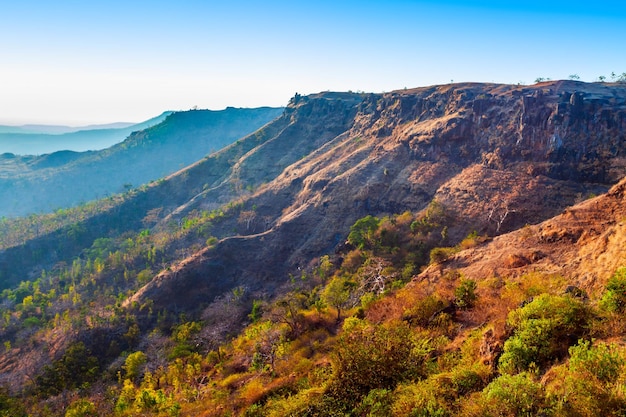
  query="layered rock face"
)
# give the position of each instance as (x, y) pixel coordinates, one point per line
(497, 157)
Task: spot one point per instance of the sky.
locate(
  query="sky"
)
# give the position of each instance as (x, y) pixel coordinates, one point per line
(84, 62)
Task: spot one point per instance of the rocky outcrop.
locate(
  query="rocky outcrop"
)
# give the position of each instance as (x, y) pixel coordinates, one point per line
(585, 243)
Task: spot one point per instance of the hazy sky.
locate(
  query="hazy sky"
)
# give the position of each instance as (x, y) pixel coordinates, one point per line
(79, 62)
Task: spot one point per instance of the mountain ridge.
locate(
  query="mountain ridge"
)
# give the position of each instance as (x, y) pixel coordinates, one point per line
(37, 184)
(324, 191)
(43, 139)
(301, 236)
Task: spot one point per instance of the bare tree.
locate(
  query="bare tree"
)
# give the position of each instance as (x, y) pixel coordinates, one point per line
(498, 215)
(247, 217)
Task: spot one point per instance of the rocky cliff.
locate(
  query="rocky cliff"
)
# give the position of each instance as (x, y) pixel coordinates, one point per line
(497, 157)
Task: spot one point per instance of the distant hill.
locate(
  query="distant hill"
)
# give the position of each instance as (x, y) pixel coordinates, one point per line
(41, 139)
(36, 184)
(60, 129)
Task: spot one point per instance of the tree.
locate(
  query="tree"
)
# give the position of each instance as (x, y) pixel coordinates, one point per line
(75, 369)
(362, 231)
(465, 294)
(369, 357)
(288, 310)
(337, 294)
(81, 408)
(325, 267)
(268, 348)
(134, 363)
(247, 217)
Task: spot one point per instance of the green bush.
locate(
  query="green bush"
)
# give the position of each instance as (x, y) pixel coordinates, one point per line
(508, 395)
(614, 298)
(362, 232)
(603, 361)
(422, 399)
(10, 406)
(369, 357)
(442, 254)
(376, 404)
(465, 294)
(543, 330)
(81, 408)
(134, 364)
(424, 310)
(590, 385)
(76, 369)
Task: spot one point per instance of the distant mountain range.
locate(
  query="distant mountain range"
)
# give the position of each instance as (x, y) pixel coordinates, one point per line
(40, 184)
(41, 139)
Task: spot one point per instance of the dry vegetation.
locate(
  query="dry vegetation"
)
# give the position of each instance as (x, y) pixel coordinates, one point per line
(350, 259)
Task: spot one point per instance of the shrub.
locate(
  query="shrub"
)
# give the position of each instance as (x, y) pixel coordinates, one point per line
(423, 311)
(465, 294)
(376, 404)
(543, 330)
(603, 361)
(76, 369)
(507, 395)
(10, 406)
(422, 399)
(440, 255)
(614, 298)
(590, 385)
(134, 364)
(81, 408)
(371, 357)
(472, 240)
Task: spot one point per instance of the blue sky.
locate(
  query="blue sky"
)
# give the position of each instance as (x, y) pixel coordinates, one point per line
(80, 62)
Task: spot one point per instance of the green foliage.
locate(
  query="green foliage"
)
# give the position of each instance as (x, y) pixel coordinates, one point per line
(325, 268)
(255, 312)
(337, 294)
(10, 406)
(442, 254)
(465, 294)
(603, 361)
(434, 217)
(543, 330)
(377, 403)
(614, 298)
(134, 363)
(591, 384)
(75, 369)
(421, 313)
(369, 357)
(182, 336)
(145, 399)
(422, 399)
(362, 232)
(81, 408)
(508, 395)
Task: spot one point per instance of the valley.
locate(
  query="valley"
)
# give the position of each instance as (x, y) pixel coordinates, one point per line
(427, 251)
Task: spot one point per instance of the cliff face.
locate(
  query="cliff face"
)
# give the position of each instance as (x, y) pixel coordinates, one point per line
(566, 130)
(496, 156)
